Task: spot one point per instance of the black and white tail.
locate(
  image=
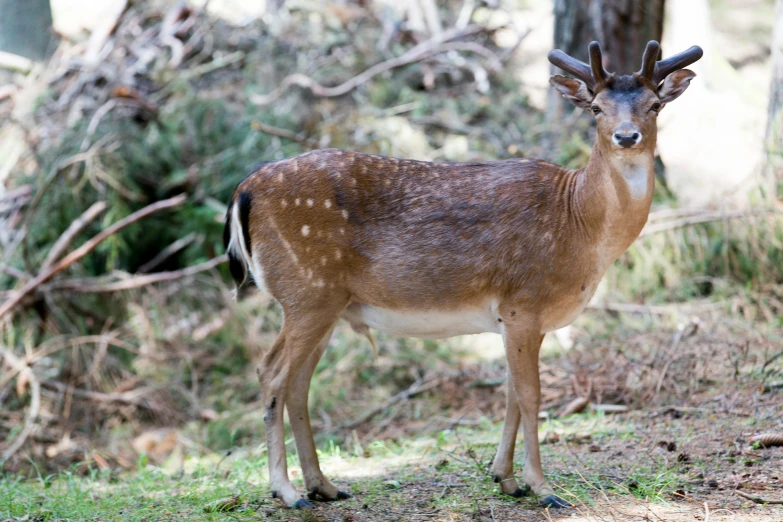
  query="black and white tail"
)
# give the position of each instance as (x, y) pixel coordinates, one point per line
(236, 240)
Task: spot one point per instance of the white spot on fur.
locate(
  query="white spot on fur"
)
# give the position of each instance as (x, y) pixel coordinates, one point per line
(345, 214)
(280, 177)
(297, 202)
(342, 231)
(305, 230)
(328, 203)
(310, 202)
(309, 273)
(283, 203)
(338, 255)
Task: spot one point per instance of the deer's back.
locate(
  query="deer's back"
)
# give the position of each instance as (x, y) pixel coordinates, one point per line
(396, 232)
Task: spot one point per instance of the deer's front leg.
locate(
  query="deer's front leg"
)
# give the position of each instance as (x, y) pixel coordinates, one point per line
(523, 341)
(503, 465)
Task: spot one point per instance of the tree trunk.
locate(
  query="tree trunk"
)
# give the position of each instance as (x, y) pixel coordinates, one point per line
(622, 27)
(26, 27)
(774, 134)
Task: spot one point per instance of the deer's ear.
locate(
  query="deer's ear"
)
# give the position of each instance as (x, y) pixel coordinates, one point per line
(675, 84)
(572, 90)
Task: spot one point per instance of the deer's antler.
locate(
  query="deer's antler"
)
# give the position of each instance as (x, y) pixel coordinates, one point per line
(594, 75)
(656, 71)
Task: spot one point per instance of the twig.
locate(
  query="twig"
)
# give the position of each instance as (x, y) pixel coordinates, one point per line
(757, 500)
(656, 309)
(132, 398)
(300, 137)
(703, 218)
(85, 249)
(100, 35)
(15, 62)
(13, 272)
(416, 388)
(89, 286)
(35, 403)
(414, 54)
(217, 63)
(167, 252)
(67, 237)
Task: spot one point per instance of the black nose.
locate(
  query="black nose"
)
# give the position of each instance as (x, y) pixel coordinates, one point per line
(626, 140)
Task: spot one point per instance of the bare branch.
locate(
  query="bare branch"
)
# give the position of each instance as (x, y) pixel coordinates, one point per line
(85, 249)
(67, 237)
(414, 54)
(757, 500)
(705, 217)
(90, 286)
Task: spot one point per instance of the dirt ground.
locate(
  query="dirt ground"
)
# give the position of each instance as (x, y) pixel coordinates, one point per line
(683, 450)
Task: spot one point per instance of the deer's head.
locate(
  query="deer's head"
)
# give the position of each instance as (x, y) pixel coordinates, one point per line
(625, 106)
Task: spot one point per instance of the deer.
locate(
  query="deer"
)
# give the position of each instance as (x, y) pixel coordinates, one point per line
(434, 250)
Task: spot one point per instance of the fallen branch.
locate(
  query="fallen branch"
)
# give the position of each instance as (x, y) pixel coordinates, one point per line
(35, 403)
(89, 286)
(131, 398)
(67, 237)
(300, 137)
(14, 62)
(13, 272)
(757, 500)
(414, 54)
(416, 388)
(85, 249)
(656, 309)
(100, 35)
(702, 218)
(767, 440)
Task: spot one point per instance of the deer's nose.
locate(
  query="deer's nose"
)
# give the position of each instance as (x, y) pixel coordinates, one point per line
(626, 135)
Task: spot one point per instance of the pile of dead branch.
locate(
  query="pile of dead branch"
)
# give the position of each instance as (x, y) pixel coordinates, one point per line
(110, 271)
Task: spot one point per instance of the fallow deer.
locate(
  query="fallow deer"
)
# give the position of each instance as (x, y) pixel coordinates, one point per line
(434, 250)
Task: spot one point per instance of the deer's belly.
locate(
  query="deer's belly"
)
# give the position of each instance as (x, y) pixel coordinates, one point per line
(426, 324)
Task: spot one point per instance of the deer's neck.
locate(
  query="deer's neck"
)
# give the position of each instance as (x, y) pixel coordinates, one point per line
(626, 189)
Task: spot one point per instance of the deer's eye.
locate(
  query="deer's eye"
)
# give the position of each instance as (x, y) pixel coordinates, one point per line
(655, 107)
(596, 109)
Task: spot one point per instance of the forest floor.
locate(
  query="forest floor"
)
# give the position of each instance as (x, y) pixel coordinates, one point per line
(683, 453)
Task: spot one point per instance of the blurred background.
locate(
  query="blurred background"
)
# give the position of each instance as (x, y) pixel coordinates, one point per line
(126, 124)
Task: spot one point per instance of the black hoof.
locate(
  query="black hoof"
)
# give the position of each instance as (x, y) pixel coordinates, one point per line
(554, 501)
(314, 494)
(521, 492)
(302, 504)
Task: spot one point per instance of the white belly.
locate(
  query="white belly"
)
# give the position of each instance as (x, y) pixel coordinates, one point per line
(430, 324)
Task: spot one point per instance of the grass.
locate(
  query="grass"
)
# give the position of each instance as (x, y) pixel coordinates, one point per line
(444, 472)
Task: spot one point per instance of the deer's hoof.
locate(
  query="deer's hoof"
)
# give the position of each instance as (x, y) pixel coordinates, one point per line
(520, 492)
(316, 494)
(302, 504)
(553, 501)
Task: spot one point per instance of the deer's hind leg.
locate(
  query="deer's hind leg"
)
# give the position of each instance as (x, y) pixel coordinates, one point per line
(303, 331)
(317, 485)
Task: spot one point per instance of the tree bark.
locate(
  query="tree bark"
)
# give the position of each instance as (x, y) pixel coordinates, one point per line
(26, 27)
(774, 133)
(622, 27)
